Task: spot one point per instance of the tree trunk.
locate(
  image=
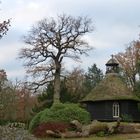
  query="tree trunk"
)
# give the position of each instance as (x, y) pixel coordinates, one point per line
(56, 96)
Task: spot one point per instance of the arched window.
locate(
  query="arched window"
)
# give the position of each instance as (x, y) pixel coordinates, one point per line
(116, 110)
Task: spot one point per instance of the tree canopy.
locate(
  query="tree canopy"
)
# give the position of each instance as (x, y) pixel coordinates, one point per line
(93, 77)
(49, 42)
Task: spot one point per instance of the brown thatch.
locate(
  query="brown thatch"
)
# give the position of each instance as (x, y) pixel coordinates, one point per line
(111, 88)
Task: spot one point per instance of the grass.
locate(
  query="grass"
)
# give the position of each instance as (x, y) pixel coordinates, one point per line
(113, 137)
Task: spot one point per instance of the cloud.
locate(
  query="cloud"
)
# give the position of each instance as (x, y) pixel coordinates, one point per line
(8, 53)
(116, 24)
(15, 73)
(25, 13)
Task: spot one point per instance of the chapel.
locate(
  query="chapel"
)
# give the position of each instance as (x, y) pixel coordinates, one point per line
(111, 99)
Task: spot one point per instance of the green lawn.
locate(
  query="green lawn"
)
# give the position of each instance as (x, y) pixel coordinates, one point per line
(113, 137)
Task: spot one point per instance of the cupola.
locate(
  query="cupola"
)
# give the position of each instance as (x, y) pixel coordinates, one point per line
(112, 65)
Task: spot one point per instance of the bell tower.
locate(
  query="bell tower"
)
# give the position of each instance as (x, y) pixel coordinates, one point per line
(112, 66)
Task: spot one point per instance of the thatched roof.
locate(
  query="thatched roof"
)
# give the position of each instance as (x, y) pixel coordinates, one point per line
(111, 88)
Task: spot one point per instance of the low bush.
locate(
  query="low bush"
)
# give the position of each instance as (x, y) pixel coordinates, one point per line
(66, 113)
(35, 121)
(40, 130)
(3, 122)
(127, 118)
(61, 113)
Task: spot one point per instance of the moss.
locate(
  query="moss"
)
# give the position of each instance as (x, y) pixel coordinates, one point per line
(111, 88)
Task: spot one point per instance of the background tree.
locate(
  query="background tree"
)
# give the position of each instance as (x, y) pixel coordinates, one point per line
(130, 62)
(16, 101)
(7, 97)
(45, 99)
(25, 102)
(74, 86)
(3, 78)
(92, 77)
(50, 41)
(71, 89)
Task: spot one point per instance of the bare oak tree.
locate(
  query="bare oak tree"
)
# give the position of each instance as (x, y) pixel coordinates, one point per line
(50, 41)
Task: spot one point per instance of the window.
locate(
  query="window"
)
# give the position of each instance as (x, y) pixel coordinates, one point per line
(116, 110)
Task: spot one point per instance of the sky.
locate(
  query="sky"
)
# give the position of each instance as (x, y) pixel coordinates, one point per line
(116, 24)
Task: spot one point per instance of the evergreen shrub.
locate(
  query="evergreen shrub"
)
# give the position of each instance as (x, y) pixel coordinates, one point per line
(60, 113)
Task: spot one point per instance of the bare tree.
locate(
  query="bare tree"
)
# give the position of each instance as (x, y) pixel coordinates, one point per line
(3, 78)
(4, 27)
(50, 41)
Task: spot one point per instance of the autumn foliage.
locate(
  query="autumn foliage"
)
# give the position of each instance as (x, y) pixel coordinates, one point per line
(16, 102)
(130, 63)
(40, 130)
